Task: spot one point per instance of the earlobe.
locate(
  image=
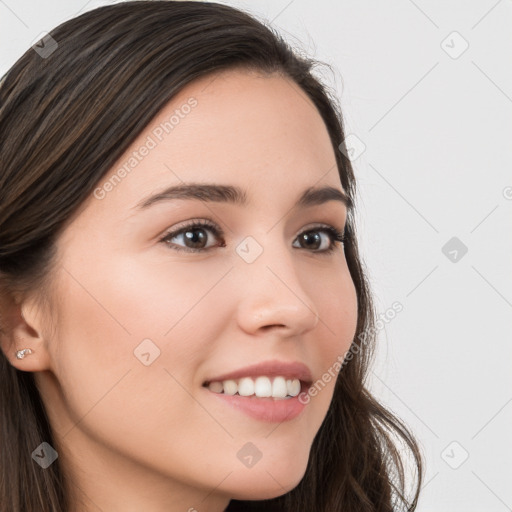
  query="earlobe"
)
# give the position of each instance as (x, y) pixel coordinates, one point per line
(37, 360)
(30, 356)
(20, 354)
(21, 343)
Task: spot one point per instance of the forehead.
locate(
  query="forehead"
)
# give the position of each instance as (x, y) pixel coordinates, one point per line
(260, 132)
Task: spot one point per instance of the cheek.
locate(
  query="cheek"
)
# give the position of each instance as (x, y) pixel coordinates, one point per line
(162, 297)
(338, 310)
(134, 326)
(131, 300)
(108, 392)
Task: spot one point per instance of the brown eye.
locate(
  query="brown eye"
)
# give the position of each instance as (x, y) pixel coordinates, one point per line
(312, 240)
(194, 237)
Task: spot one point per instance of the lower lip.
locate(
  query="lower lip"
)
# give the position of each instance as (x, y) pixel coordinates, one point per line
(265, 409)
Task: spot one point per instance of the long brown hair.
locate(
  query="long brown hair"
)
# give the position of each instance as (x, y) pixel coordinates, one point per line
(65, 118)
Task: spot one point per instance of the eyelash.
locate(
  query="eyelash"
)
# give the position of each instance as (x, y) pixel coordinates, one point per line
(335, 236)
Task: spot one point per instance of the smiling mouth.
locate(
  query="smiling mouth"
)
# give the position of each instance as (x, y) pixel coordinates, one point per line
(277, 387)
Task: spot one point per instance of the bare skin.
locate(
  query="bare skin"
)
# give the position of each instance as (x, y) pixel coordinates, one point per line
(135, 437)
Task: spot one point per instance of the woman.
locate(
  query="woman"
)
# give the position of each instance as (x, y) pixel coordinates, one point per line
(183, 302)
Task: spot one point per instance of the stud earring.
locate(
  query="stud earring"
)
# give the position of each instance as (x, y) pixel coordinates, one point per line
(20, 354)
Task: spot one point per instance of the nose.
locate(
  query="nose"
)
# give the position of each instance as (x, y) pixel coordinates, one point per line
(273, 296)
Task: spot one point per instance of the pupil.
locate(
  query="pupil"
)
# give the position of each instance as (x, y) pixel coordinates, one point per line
(312, 238)
(189, 235)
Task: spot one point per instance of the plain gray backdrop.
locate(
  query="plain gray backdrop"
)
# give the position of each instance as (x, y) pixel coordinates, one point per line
(426, 91)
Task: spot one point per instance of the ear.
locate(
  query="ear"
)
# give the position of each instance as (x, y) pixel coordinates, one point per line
(21, 324)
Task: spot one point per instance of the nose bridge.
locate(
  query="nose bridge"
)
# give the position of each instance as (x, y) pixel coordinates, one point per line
(272, 292)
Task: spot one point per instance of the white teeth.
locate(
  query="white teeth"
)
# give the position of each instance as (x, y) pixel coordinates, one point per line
(230, 387)
(246, 387)
(262, 387)
(279, 388)
(293, 387)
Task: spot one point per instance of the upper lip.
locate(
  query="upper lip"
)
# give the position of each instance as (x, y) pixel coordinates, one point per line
(271, 368)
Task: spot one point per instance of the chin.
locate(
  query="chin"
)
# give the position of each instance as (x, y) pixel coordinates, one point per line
(266, 483)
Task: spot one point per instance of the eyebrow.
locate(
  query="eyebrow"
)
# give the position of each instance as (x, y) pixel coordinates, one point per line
(237, 196)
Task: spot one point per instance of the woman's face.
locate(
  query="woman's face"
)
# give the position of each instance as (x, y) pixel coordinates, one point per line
(143, 322)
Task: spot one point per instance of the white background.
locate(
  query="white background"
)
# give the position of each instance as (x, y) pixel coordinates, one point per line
(437, 129)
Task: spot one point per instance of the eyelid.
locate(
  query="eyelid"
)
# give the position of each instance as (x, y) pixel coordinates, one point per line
(206, 222)
(193, 224)
(316, 225)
